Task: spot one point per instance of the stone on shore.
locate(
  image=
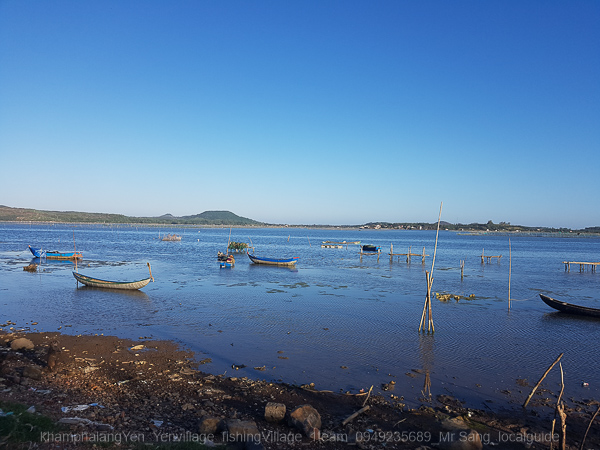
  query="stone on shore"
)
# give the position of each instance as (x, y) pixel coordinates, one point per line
(240, 430)
(208, 424)
(33, 372)
(455, 423)
(274, 412)
(22, 344)
(307, 419)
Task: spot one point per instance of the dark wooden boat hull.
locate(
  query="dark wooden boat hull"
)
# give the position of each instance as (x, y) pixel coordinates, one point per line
(273, 261)
(370, 248)
(569, 307)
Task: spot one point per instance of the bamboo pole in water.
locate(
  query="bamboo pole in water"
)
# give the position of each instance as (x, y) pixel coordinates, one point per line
(436, 238)
(228, 241)
(425, 305)
(430, 328)
(509, 270)
(427, 310)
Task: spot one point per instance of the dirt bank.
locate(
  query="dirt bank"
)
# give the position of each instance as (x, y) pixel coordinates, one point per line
(122, 392)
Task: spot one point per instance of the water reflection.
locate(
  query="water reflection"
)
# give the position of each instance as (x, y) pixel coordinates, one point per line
(426, 353)
(131, 293)
(477, 351)
(273, 267)
(52, 262)
(558, 317)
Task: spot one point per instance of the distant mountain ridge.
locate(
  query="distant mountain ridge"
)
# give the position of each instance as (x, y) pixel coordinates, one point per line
(227, 218)
(8, 214)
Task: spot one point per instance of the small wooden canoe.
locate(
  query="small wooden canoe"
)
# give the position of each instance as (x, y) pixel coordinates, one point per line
(273, 261)
(569, 307)
(39, 253)
(126, 285)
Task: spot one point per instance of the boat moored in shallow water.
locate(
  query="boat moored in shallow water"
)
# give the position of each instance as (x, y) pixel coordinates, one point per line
(569, 307)
(40, 253)
(126, 285)
(273, 261)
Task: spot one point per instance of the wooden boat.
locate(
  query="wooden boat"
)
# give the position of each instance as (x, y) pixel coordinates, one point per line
(569, 307)
(273, 261)
(227, 262)
(127, 285)
(39, 253)
(223, 256)
(370, 248)
(171, 237)
(225, 259)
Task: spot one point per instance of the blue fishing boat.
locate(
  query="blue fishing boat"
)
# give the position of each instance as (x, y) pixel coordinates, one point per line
(37, 252)
(370, 248)
(40, 253)
(273, 261)
(227, 262)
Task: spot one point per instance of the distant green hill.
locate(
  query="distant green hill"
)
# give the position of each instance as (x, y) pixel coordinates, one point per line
(8, 214)
(227, 218)
(219, 218)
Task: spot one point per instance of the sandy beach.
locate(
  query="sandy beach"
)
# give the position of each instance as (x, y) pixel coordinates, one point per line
(103, 389)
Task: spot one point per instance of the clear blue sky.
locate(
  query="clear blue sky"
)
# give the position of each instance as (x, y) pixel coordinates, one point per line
(303, 112)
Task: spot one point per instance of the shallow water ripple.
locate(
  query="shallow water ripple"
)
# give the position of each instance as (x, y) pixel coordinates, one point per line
(334, 320)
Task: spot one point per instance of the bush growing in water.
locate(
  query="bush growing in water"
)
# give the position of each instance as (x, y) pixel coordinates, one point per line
(237, 246)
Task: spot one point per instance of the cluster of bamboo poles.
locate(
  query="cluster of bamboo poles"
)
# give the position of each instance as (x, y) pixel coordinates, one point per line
(427, 321)
(427, 315)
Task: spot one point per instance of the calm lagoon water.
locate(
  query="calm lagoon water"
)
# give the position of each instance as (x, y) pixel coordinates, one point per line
(334, 320)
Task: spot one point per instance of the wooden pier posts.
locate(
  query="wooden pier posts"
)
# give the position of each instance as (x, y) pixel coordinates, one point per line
(509, 270)
(361, 253)
(489, 258)
(582, 265)
(408, 255)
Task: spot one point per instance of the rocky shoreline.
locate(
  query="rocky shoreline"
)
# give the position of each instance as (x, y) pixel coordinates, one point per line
(123, 393)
